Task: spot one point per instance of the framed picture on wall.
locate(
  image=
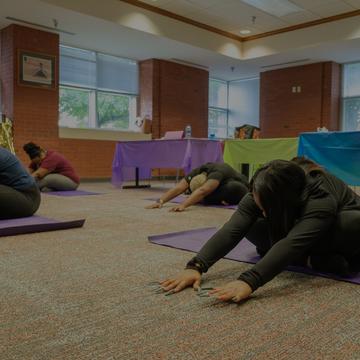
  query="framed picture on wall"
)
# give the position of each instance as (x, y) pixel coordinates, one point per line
(37, 70)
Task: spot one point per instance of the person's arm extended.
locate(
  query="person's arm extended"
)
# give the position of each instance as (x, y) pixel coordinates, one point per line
(198, 195)
(228, 236)
(217, 247)
(40, 173)
(170, 194)
(306, 233)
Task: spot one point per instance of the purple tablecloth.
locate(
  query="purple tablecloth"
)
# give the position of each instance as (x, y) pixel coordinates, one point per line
(186, 154)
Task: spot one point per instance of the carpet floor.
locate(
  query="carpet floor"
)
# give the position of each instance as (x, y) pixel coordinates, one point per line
(84, 294)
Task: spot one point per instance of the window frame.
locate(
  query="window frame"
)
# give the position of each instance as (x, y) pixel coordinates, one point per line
(220, 109)
(343, 97)
(132, 97)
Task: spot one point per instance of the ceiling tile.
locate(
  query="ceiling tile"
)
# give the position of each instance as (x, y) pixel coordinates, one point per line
(307, 4)
(158, 3)
(234, 15)
(245, 12)
(180, 7)
(353, 3)
(331, 9)
(207, 3)
(206, 17)
(301, 17)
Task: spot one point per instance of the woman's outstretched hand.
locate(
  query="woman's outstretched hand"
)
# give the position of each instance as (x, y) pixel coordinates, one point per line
(235, 291)
(181, 281)
(178, 208)
(156, 205)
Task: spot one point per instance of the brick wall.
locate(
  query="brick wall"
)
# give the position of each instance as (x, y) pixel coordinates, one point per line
(174, 95)
(7, 71)
(34, 111)
(284, 113)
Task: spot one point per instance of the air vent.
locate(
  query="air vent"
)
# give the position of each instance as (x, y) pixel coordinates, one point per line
(39, 25)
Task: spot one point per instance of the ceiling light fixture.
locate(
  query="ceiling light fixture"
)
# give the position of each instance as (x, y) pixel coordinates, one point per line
(244, 32)
(274, 7)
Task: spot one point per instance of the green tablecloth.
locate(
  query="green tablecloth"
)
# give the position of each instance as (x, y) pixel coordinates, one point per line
(256, 152)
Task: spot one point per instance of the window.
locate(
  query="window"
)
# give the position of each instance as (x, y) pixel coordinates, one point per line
(218, 109)
(75, 108)
(97, 90)
(218, 123)
(351, 97)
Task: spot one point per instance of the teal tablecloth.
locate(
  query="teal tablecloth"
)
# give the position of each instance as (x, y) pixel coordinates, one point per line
(338, 152)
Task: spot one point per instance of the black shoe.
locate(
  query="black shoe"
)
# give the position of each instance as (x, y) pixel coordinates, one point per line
(331, 263)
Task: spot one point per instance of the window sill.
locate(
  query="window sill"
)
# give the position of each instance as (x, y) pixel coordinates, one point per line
(100, 134)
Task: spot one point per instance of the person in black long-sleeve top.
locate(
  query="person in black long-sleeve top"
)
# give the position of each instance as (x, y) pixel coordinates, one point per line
(295, 211)
(211, 183)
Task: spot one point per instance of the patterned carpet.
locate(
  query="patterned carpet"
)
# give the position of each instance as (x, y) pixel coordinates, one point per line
(84, 294)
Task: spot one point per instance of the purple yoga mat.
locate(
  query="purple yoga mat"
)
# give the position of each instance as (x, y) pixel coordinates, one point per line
(33, 224)
(71, 193)
(180, 199)
(193, 240)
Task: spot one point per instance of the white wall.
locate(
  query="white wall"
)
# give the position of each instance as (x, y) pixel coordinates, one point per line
(243, 103)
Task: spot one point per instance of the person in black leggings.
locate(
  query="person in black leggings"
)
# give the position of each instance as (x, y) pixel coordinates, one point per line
(211, 184)
(19, 194)
(295, 213)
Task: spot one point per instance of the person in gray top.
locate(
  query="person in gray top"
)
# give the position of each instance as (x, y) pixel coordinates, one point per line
(211, 184)
(295, 213)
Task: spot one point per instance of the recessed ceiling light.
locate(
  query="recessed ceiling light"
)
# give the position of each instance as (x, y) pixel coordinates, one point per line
(275, 7)
(244, 32)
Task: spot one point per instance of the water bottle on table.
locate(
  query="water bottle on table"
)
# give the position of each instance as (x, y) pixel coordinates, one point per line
(188, 131)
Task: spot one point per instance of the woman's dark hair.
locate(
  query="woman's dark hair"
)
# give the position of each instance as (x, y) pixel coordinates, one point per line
(308, 165)
(32, 150)
(279, 185)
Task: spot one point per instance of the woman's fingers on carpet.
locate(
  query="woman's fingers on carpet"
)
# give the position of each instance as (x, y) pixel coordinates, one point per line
(180, 286)
(222, 294)
(171, 285)
(165, 282)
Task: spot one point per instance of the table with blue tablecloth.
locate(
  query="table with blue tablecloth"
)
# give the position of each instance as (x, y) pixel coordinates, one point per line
(186, 154)
(338, 152)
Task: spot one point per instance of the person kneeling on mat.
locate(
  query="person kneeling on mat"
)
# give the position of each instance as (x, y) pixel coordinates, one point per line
(51, 170)
(296, 213)
(211, 183)
(19, 194)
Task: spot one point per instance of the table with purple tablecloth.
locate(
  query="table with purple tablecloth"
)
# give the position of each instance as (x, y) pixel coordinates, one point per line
(186, 154)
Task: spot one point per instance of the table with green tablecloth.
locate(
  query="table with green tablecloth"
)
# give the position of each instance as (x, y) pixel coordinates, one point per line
(248, 154)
